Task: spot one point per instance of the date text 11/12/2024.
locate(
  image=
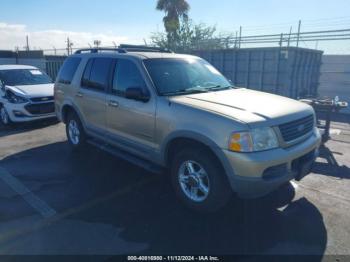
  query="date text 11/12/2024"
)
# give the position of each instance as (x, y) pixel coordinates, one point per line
(173, 258)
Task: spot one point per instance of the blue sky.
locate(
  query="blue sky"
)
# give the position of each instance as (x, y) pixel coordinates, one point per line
(133, 20)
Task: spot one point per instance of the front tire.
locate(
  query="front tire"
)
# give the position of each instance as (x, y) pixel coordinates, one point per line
(199, 180)
(4, 117)
(75, 132)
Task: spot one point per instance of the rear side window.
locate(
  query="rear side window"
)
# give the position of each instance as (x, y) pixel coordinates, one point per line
(126, 75)
(96, 74)
(86, 76)
(68, 70)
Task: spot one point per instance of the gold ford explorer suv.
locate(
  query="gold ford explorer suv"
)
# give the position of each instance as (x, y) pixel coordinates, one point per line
(166, 111)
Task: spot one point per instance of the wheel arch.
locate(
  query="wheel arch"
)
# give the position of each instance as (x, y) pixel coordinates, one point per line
(66, 109)
(185, 138)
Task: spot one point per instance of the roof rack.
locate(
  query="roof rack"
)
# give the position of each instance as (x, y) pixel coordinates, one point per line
(124, 48)
(96, 50)
(143, 48)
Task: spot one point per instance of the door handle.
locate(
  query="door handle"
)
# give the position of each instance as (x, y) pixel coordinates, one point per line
(79, 94)
(113, 103)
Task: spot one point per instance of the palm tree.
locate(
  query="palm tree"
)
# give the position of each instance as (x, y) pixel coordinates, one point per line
(174, 11)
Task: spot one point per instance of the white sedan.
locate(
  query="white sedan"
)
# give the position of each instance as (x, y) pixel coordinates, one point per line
(26, 94)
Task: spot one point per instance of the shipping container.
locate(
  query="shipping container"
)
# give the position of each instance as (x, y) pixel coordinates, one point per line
(288, 71)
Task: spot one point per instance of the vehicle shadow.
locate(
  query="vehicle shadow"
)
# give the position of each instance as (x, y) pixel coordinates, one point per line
(17, 128)
(330, 166)
(245, 227)
(150, 214)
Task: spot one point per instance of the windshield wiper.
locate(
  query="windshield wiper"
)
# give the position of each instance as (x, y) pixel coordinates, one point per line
(186, 91)
(218, 87)
(194, 90)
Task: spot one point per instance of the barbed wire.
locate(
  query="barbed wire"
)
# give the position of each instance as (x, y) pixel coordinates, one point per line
(325, 30)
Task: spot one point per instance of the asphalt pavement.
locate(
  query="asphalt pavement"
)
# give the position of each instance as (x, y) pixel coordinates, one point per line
(54, 201)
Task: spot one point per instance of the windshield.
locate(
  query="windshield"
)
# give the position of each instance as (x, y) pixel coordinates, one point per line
(173, 76)
(18, 77)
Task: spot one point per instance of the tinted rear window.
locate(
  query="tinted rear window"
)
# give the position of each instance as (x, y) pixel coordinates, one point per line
(87, 71)
(96, 74)
(68, 70)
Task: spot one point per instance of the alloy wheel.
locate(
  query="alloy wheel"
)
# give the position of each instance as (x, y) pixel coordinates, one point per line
(4, 116)
(73, 131)
(194, 181)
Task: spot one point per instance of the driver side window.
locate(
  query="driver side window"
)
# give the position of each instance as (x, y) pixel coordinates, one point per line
(126, 75)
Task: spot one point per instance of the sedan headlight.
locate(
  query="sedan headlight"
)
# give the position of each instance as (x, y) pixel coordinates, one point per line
(15, 99)
(258, 139)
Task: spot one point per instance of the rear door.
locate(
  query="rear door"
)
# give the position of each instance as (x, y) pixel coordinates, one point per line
(92, 94)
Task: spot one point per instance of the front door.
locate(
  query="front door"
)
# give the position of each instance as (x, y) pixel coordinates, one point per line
(132, 122)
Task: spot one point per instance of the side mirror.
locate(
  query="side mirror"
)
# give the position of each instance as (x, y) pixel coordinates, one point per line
(137, 93)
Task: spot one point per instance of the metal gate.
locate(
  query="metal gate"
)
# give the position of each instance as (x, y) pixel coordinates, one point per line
(53, 65)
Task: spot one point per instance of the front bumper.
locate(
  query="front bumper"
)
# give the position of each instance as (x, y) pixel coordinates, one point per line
(18, 113)
(254, 175)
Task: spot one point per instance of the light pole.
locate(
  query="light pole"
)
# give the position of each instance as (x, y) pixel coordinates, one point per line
(97, 43)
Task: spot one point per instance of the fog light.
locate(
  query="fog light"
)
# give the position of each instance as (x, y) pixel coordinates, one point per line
(18, 113)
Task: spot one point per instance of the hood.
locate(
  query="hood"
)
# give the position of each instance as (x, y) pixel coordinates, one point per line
(251, 107)
(30, 91)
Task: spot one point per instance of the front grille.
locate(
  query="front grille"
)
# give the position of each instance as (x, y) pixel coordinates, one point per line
(40, 109)
(298, 128)
(42, 99)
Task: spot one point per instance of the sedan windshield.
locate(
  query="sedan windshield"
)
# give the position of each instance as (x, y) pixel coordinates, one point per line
(18, 77)
(174, 76)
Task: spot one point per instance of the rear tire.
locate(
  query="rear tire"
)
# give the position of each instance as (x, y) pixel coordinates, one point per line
(199, 180)
(75, 132)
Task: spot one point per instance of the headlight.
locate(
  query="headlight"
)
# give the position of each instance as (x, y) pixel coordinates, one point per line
(15, 99)
(258, 139)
